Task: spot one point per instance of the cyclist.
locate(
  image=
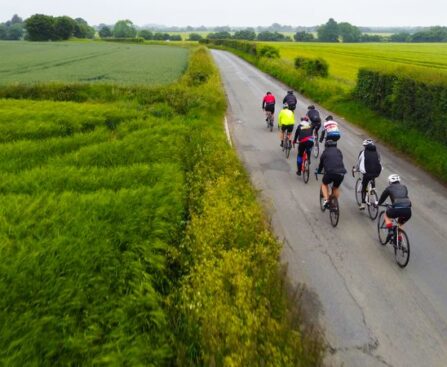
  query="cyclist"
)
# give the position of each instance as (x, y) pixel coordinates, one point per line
(369, 165)
(268, 104)
(286, 120)
(314, 117)
(330, 129)
(291, 100)
(400, 203)
(334, 170)
(305, 138)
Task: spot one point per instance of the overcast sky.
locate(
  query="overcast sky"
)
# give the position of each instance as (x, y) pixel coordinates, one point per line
(238, 12)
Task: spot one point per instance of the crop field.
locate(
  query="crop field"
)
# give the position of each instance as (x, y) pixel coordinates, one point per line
(345, 59)
(125, 217)
(30, 62)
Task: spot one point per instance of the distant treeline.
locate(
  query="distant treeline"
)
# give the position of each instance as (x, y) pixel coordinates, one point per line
(41, 27)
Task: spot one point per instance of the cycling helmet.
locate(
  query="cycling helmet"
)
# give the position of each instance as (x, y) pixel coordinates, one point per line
(311, 107)
(330, 143)
(329, 118)
(269, 93)
(305, 118)
(368, 142)
(393, 178)
(290, 91)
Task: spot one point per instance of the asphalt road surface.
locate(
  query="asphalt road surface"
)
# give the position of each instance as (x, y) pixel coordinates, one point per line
(373, 312)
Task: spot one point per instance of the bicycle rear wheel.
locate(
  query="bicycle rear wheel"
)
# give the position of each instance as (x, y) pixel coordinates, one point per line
(373, 210)
(334, 212)
(402, 249)
(316, 149)
(288, 145)
(358, 191)
(322, 201)
(382, 231)
(306, 171)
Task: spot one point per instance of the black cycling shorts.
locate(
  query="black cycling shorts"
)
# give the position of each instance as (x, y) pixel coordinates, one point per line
(288, 128)
(291, 107)
(270, 107)
(404, 214)
(334, 178)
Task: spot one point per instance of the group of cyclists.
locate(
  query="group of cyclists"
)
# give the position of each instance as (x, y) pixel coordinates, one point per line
(331, 161)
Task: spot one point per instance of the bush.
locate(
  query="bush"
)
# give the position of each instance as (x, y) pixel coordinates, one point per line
(418, 101)
(313, 67)
(269, 52)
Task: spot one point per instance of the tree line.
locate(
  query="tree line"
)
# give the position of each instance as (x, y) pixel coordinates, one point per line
(126, 29)
(12, 29)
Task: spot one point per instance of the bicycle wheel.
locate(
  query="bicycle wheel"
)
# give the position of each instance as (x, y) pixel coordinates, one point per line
(271, 124)
(402, 249)
(334, 212)
(306, 171)
(321, 201)
(372, 199)
(358, 191)
(316, 149)
(288, 144)
(382, 231)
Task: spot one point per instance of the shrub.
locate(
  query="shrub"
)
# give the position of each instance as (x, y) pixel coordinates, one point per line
(269, 52)
(312, 67)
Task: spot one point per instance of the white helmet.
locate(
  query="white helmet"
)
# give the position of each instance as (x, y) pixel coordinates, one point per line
(393, 178)
(368, 142)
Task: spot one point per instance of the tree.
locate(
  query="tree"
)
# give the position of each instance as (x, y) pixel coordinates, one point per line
(328, 32)
(219, 36)
(176, 37)
(246, 34)
(40, 27)
(162, 36)
(124, 29)
(15, 32)
(195, 37)
(105, 32)
(303, 37)
(271, 36)
(16, 19)
(64, 27)
(3, 31)
(400, 37)
(146, 34)
(349, 33)
(82, 29)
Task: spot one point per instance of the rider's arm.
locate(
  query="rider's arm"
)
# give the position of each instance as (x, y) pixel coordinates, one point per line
(280, 117)
(263, 103)
(359, 160)
(384, 196)
(323, 132)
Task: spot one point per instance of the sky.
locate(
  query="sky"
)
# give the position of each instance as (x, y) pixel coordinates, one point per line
(237, 12)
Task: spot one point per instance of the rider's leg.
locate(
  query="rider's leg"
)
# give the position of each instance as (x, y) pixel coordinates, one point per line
(338, 179)
(299, 157)
(365, 182)
(325, 191)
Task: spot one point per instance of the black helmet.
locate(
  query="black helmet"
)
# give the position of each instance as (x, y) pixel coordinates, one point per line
(290, 91)
(311, 107)
(269, 92)
(329, 118)
(330, 143)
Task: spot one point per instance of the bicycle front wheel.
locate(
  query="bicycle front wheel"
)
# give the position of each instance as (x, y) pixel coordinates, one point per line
(306, 171)
(358, 191)
(334, 212)
(402, 249)
(373, 210)
(382, 231)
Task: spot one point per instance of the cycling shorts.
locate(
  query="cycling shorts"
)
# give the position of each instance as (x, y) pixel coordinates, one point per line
(288, 128)
(292, 107)
(270, 107)
(404, 214)
(333, 178)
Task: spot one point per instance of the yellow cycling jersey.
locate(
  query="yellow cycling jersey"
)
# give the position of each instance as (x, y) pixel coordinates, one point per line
(286, 117)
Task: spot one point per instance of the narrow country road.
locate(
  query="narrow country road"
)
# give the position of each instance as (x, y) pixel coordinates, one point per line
(373, 312)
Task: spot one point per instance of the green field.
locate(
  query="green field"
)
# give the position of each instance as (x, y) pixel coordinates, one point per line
(30, 62)
(346, 59)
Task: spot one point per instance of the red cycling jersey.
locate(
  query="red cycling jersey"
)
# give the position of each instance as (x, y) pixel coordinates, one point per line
(269, 99)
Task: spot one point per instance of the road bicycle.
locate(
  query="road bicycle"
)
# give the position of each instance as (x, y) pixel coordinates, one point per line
(332, 206)
(396, 236)
(305, 167)
(286, 144)
(269, 120)
(371, 197)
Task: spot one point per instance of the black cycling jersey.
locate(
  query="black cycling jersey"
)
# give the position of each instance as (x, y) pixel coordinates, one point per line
(332, 161)
(398, 194)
